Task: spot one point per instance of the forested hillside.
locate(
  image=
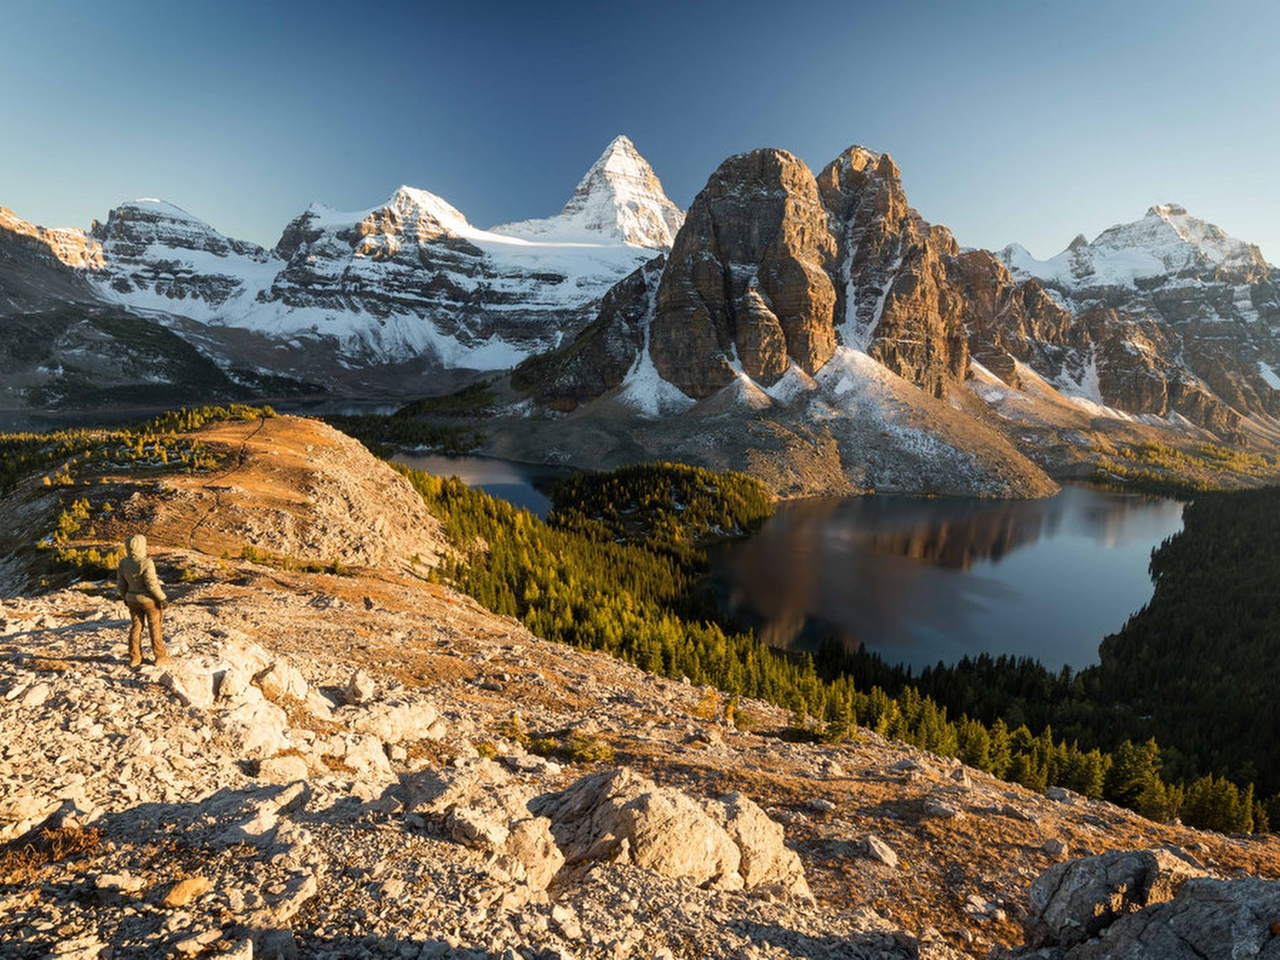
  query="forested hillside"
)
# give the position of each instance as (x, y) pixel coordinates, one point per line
(1199, 666)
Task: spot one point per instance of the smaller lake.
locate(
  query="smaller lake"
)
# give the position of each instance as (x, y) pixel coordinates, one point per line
(522, 484)
(922, 580)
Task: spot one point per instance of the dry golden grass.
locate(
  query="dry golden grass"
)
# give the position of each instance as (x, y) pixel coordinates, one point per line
(21, 865)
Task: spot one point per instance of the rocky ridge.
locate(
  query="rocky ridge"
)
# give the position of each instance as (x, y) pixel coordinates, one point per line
(782, 284)
(344, 766)
(1176, 317)
(816, 324)
(406, 279)
(41, 268)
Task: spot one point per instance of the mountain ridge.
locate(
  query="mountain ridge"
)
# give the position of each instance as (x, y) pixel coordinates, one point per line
(1163, 330)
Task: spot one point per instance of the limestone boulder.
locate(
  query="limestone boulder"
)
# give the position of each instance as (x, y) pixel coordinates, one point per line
(620, 815)
(766, 858)
(258, 728)
(1075, 901)
(395, 721)
(282, 680)
(482, 806)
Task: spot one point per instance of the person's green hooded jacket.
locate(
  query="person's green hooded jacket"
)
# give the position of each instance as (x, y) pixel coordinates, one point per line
(136, 574)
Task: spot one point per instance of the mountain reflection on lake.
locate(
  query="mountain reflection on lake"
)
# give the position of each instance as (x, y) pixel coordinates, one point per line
(923, 580)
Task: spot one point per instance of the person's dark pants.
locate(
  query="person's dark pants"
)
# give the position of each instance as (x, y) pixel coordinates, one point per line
(144, 608)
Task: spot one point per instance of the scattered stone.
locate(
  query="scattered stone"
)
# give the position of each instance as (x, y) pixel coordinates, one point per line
(1055, 847)
(360, 689)
(196, 943)
(940, 810)
(873, 848)
(185, 891)
(36, 696)
(285, 768)
(118, 883)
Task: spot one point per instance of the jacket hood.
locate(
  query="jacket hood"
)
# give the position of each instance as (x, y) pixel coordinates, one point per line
(137, 547)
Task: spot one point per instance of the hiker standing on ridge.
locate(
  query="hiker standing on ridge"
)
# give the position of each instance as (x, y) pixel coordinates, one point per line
(142, 593)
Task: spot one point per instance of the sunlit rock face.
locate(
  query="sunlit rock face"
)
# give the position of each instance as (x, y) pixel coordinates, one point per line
(747, 281)
(1171, 316)
(42, 268)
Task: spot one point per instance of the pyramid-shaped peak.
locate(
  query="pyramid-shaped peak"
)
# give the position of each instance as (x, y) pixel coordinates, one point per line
(1166, 210)
(620, 160)
(619, 200)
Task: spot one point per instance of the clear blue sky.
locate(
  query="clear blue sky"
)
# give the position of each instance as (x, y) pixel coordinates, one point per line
(1010, 121)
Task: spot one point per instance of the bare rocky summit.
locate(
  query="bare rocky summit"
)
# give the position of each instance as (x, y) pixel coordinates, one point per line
(747, 279)
(356, 765)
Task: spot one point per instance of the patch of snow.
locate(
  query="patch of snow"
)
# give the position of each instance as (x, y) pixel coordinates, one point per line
(792, 384)
(1269, 375)
(644, 389)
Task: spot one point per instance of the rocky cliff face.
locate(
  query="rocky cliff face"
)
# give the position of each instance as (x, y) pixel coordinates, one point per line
(1167, 325)
(899, 301)
(41, 268)
(775, 266)
(1178, 318)
(600, 357)
(747, 282)
(158, 256)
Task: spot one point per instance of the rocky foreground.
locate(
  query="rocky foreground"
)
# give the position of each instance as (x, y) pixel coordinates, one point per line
(250, 801)
(372, 765)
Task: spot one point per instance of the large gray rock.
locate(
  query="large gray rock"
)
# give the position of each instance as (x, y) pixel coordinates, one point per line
(1207, 920)
(620, 815)
(1075, 901)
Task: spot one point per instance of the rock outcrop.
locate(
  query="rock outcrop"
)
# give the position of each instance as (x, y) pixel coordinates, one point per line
(43, 268)
(747, 278)
(1147, 903)
(621, 816)
(900, 301)
(156, 254)
(1075, 901)
(601, 356)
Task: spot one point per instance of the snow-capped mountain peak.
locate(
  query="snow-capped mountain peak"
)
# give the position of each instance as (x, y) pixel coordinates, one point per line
(426, 213)
(1167, 242)
(620, 199)
(148, 224)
